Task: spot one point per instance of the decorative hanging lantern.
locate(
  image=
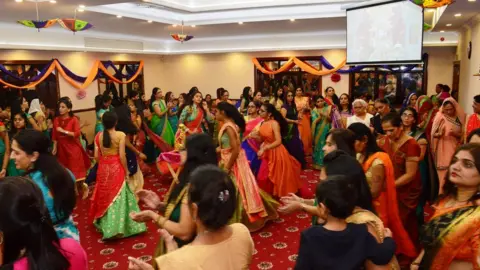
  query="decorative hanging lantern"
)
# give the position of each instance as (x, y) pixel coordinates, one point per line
(181, 37)
(37, 23)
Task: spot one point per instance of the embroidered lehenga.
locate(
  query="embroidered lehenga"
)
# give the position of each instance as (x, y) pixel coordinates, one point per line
(320, 128)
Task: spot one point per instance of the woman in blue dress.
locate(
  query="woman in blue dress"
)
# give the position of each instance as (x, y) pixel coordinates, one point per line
(30, 153)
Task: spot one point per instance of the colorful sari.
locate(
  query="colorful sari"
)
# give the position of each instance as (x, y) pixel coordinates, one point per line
(320, 128)
(426, 114)
(443, 148)
(251, 146)
(304, 127)
(408, 195)
(386, 204)
(335, 115)
(254, 207)
(192, 117)
(112, 200)
(161, 125)
(173, 119)
(452, 236)
(98, 124)
(70, 152)
(292, 140)
(473, 122)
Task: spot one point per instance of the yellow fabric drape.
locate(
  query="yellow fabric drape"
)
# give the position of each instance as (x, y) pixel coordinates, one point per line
(303, 65)
(97, 65)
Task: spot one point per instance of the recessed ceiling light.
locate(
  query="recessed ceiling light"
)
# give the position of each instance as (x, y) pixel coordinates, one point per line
(442, 31)
(472, 0)
(81, 6)
(194, 25)
(458, 15)
(292, 20)
(240, 22)
(149, 21)
(80, 10)
(18, 1)
(174, 25)
(53, 1)
(119, 16)
(449, 24)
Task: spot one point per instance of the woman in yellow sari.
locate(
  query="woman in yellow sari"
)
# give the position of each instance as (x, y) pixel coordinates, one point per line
(451, 238)
(176, 218)
(254, 207)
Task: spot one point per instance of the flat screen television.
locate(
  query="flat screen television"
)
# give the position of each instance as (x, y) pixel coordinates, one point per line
(390, 32)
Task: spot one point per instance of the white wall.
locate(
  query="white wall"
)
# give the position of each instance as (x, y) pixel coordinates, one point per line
(469, 85)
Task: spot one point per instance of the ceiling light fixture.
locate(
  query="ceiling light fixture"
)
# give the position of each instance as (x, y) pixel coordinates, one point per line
(472, 0)
(80, 10)
(119, 16)
(442, 31)
(18, 1)
(81, 6)
(194, 26)
(458, 15)
(53, 1)
(449, 24)
(149, 21)
(240, 22)
(292, 20)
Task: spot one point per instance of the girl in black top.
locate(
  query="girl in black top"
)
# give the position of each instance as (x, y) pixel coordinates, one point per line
(337, 244)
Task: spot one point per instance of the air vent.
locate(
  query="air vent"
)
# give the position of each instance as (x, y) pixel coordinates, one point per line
(112, 44)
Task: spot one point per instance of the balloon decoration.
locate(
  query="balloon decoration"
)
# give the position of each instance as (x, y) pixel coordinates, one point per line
(181, 36)
(335, 77)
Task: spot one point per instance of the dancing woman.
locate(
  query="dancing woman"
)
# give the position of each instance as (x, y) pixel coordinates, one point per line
(247, 96)
(321, 124)
(292, 141)
(447, 131)
(304, 127)
(112, 199)
(249, 144)
(451, 239)
(102, 105)
(175, 215)
(31, 154)
(4, 150)
(280, 172)
(159, 122)
(66, 143)
(172, 111)
(332, 100)
(254, 207)
(193, 114)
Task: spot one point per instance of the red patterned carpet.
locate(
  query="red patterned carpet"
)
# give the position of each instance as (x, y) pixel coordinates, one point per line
(276, 245)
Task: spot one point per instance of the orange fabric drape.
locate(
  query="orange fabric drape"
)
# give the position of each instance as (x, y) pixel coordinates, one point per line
(293, 61)
(32, 84)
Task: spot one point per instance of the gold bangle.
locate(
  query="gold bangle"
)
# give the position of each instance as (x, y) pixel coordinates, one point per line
(160, 222)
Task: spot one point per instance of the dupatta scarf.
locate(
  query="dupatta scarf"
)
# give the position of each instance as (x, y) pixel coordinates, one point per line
(426, 114)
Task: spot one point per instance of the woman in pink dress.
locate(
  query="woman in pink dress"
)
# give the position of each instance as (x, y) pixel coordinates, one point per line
(446, 136)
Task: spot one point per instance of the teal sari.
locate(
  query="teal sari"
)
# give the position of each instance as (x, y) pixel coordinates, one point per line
(160, 125)
(99, 125)
(320, 128)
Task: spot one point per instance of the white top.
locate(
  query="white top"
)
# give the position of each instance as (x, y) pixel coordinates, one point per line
(354, 119)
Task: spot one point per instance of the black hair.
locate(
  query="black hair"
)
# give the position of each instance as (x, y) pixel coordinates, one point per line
(212, 190)
(200, 151)
(27, 227)
(109, 120)
(338, 195)
(292, 104)
(245, 94)
(68, 102)
(277, 116)
(476, 98)
(133, 93)
(315, 98)
(335, 98)
(232, 112)
(445, 88)
(450, 189)
(362, 132)
(415, 117)
(58, 180)
(223, 92)
(473, 133)
(189, 101)
(152, 97)
(256, 92)
(393, 118)
(340, 163)
(100, 101)
(344, 139)
(277, 97)
(383, 101)
(124, 120)
(168, 96)
(13, 129)
(219, 92)
(349, 102)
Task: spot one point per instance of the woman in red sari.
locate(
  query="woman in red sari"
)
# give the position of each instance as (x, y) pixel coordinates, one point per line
(66, 143)
(381, 178)
(404, 152)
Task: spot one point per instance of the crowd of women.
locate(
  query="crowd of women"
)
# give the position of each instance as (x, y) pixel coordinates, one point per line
(396, 190)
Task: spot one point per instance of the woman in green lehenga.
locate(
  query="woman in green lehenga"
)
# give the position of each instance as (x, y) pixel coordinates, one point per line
(159, 122)
(321, 124)
(176, 218)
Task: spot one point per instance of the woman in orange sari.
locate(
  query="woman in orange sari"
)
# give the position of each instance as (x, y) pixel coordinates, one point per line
(303, 108)
(254, 207)
(446, 136)
(404, 152)
(279, 172)
(451, 238)
(381, 178)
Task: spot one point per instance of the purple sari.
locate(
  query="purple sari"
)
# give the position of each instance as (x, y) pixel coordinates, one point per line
(251, 146)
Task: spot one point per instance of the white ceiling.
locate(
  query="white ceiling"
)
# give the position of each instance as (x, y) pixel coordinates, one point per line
(319, 24)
